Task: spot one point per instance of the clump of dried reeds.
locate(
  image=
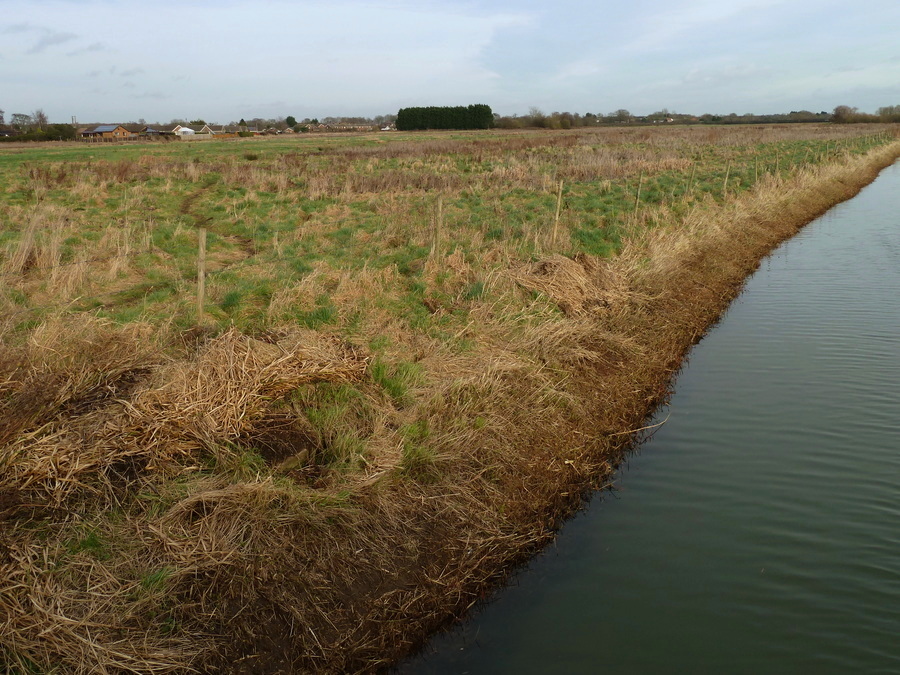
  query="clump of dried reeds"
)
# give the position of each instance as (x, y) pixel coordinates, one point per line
(65, 438)
(578, 286)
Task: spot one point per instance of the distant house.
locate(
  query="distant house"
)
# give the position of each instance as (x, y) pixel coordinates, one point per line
(6, 132)
(157, 130)
(351, 127)
(115, 132)
(341, 127)
(220, 130)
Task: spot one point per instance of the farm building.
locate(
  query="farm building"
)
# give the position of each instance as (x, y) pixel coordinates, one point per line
(108, 131)
(221, 130)
(162, 129)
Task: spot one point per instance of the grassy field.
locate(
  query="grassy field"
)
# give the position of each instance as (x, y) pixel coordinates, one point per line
(415, 352)
(115, 229)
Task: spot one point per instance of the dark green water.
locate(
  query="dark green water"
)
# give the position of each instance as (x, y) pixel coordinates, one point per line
(759, 530)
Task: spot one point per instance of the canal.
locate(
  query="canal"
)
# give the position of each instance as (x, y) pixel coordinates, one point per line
(759, 529)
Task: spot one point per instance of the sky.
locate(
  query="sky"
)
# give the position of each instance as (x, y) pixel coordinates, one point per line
(220, 60)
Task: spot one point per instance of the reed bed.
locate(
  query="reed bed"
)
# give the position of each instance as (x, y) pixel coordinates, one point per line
(408, 370)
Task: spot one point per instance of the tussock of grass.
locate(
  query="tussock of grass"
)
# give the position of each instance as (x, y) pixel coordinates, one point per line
(363, 435)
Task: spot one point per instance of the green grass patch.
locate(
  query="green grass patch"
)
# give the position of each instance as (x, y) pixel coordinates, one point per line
(342, 417)
(396, 379)
(155, 580)
(418, 460)
(91, 543)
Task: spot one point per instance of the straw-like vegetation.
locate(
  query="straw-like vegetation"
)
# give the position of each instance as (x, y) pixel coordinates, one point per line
(415, 355)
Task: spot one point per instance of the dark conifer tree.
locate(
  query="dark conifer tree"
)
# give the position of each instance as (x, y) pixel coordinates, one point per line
(478, 116)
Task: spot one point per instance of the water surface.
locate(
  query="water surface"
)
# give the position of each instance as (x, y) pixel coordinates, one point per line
(759, 530)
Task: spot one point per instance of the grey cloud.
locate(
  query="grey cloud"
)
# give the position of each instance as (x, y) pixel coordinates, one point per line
(19, 28)
(132, 72)
(95, 47)
(50, 39)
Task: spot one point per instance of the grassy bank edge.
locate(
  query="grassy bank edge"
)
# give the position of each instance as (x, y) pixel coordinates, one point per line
(692, 277)
(242, 570)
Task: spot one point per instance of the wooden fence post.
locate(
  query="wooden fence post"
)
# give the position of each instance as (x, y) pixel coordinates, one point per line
(201, 275)
(725, 182)
(436, 232)
(558, 208)
(637, 196)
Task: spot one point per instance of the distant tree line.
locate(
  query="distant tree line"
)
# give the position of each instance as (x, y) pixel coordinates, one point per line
(566, 120)
(538, 119)
(34, 127)
(53, 132)
(290, 121)
(844, 114)
(793, 117)
(477, 116)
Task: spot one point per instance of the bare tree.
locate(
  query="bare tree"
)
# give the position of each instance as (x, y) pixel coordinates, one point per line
(844, 114)
(538, 118)
(40, 118)
(2, 119)
(20, 120)
(888, 113)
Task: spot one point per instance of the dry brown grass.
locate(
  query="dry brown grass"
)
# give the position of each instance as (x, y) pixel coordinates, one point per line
(167, 500)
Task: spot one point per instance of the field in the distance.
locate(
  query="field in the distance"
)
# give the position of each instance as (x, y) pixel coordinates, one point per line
(116, 228)
(414, 352)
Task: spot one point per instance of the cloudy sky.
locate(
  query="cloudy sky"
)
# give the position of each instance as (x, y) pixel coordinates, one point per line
(122, 60)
